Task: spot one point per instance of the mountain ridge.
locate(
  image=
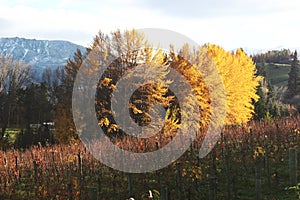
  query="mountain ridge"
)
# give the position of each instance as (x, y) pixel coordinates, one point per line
(39, 53)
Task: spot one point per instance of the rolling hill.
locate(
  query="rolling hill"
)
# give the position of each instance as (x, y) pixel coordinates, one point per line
(278, 73)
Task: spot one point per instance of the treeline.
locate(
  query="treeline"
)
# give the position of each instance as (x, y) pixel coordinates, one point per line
(283, 56)
(25, 103)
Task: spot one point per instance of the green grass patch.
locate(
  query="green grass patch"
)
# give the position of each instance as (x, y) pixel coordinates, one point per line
(12, 134)
(278, 73)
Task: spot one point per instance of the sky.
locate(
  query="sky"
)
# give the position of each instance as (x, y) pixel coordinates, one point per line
(250, 24)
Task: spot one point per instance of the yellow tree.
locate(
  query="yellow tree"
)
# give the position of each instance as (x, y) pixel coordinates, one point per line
(237, 71)
(238, 78)
(130, 51)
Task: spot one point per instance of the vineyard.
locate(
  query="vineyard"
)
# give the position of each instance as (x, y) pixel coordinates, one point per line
(252, 161)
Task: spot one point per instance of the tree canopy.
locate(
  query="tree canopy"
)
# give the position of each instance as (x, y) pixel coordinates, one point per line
(236, 69)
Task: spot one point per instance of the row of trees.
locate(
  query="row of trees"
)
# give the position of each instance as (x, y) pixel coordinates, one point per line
(275, 56)
(293, 90)
(24, 102)
(14, 76)
(237, 72)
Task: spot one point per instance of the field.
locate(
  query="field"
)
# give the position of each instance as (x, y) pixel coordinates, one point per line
(249, 162)
(278, 73)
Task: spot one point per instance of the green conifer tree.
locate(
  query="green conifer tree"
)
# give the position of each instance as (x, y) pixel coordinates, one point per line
(294, 78)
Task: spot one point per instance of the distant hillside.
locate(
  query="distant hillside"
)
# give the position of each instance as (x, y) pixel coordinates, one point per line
(278, 73)
(39, 53)
(277, 65)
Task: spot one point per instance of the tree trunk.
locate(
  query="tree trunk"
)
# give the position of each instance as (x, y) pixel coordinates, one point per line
(3, 131)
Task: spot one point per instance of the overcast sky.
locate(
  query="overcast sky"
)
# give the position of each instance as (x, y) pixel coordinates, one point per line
(250, 24)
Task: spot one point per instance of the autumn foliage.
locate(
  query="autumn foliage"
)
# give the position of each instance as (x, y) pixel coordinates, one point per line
(235, 70)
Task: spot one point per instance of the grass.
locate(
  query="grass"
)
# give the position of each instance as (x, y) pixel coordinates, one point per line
(278, 73)
(12, 133)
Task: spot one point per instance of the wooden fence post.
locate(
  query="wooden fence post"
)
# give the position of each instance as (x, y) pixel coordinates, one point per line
(267, 166)
(164, 192)
(80, 174)
(179, 186)
(70, 190)
(18, 176)
(158, 174)
(293, 166)
(79, 164)
(212, 188)
(16, 161)
(129, 184)
(93, 193)
(258, 183)
(226, 165)
(99, 181)
(35, 170)
(53, 160)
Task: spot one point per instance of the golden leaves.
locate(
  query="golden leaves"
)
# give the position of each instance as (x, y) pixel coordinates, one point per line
(105, 82)
(259, 151)
(113, 127)
(237, 71)
(104, 122)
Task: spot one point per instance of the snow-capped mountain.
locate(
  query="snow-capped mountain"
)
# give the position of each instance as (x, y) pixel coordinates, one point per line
(39, 53)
